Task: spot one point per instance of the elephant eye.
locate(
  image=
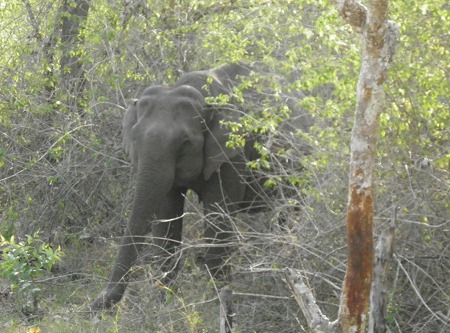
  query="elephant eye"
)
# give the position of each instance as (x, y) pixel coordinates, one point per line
(184, 143)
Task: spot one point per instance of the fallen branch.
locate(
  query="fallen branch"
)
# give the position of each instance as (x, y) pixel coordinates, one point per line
(317, 321)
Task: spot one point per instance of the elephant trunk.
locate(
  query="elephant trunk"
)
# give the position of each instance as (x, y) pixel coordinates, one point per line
(155, 175)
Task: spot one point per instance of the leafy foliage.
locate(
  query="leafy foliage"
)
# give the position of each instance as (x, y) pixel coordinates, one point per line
(25, 262)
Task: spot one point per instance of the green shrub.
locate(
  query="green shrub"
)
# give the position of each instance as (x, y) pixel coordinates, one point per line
(24, 263)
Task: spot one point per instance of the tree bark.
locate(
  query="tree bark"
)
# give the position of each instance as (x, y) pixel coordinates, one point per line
(383, 259)
(379, 43)
(226, 310)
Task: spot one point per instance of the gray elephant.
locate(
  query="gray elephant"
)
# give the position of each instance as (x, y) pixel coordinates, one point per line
(176, 142)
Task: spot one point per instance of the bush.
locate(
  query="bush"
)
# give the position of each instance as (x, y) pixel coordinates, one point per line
(23, 264)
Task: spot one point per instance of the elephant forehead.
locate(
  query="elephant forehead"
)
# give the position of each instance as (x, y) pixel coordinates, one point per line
(184, 106)
(145, 103)
(167, 102)
(186, 91)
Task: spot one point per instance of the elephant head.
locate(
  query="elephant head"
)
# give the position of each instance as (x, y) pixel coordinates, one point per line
(176, 142)
(166, 124)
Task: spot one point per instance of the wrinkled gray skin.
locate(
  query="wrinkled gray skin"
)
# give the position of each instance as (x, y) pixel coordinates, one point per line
(176, 142)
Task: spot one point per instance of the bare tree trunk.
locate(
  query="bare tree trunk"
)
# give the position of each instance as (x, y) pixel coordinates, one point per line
(383, 259)
(226, 310)
(379, 42)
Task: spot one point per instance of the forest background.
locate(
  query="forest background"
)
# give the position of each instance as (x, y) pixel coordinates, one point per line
(68, 69)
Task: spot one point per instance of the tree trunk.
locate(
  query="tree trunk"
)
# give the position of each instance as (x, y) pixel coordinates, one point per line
(69, 21)
(226, 310)
(75, 14)
(383, 258)
(379, 40)
(379, 43)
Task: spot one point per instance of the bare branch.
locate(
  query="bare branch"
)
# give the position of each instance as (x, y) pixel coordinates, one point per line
(317, 321)
(440, 318)
(33, 21)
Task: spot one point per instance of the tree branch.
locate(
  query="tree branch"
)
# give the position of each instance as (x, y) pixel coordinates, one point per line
(33, 21)
(353, 12)
(317, 321)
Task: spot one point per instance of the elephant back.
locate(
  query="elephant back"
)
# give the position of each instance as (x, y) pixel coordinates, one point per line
(216, 81)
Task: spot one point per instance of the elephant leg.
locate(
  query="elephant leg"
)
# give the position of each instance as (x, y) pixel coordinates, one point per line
(221, 198)
(168, 234)
(128, 253)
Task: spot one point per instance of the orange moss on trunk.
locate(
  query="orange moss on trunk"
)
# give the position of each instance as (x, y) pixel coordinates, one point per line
(360, 252)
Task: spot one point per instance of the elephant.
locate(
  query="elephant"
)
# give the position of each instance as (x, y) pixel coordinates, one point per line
(176, 141)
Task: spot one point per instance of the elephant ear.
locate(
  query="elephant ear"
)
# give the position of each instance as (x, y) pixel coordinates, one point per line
(129, 120)
(215, 150)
